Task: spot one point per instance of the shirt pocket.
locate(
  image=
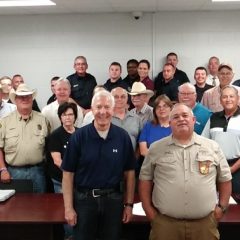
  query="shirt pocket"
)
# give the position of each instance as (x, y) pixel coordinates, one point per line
(11, 142)
(166, 167)
(203, 164)
(39, 138)
(77, 91)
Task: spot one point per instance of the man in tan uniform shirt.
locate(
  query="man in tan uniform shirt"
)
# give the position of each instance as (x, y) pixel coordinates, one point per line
(22, 141)
(178, 182)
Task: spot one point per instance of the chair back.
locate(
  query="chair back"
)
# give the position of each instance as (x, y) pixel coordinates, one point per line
(20, 185)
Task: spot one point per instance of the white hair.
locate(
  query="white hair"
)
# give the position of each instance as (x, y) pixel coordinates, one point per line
(103, 93)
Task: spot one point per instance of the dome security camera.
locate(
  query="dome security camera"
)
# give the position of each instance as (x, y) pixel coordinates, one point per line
(137, 15)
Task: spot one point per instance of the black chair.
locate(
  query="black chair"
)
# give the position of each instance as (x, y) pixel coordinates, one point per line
(20, 185)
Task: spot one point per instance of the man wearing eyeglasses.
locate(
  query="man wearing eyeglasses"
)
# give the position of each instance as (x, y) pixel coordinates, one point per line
(211, 98)
(187, 95)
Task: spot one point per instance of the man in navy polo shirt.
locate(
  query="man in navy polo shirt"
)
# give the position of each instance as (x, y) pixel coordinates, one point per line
(98, 157)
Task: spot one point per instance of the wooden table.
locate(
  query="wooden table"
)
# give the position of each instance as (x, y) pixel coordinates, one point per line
(32, 216)
(40, 216)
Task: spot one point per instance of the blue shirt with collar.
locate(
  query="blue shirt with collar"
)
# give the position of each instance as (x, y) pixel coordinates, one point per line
(98, 162)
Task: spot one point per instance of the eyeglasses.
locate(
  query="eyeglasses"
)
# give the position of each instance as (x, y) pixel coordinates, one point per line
(162, 107)
(120, 97)
(67, 115)
(228, 74)
(186, 94)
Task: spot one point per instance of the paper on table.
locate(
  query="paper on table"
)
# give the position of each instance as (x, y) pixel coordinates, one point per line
(5, 194)
(232, 201)
(138, 210)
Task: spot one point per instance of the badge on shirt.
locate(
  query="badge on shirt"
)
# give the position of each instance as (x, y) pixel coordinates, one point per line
(39, 127)
(204, 167)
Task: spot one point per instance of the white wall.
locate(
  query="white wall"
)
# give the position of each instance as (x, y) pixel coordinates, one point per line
(41, 46)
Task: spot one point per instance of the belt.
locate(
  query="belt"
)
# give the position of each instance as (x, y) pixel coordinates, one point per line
(98, 192)
(27, 165)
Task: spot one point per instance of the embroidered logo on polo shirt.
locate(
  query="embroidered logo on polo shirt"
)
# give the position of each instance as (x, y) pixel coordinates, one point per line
(115, 150)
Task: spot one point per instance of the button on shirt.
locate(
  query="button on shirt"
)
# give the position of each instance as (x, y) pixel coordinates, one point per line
(180, 189)
(23, 141)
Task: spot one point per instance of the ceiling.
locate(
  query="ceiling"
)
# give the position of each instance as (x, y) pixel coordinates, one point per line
(121, 6)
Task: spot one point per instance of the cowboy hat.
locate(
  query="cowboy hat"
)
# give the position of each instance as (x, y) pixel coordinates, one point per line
(140, 88)
(22, 90)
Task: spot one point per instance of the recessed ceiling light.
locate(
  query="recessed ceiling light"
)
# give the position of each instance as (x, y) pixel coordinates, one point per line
(25, 3)
(225, 1)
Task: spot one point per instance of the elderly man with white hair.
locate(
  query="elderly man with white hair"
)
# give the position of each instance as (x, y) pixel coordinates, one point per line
(99, 155)
(187, 94)
(62, 91)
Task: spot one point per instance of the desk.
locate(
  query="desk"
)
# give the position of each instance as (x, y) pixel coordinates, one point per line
(32, 216)
(26, 215)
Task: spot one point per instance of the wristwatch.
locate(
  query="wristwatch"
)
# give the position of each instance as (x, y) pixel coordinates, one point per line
(224, 209)
(128, 205)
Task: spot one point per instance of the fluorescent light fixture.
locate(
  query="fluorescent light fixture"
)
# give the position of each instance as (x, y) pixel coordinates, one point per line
(26, 3)
(226, 1)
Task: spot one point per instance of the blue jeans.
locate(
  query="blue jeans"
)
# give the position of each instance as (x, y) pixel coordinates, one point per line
(57, 186)
(99, 217)
(35, 173)
(58, 189)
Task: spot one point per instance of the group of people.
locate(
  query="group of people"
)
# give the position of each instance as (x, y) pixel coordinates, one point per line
(94, 140)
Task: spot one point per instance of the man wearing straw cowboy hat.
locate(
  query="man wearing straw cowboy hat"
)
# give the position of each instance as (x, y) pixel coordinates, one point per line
(140, 97)
(22, 140)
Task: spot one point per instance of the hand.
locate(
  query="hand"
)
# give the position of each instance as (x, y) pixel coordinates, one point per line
(218, 213)
(71, 217)
(5, 176)
(151, 214)
(127, 214)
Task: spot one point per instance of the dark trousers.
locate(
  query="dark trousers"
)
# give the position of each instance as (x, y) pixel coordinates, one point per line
(98, 217)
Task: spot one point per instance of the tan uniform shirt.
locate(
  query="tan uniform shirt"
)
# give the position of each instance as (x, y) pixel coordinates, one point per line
(23, 141)
(185, 176)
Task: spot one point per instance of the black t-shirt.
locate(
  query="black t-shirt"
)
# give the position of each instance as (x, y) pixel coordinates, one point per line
(57, 142)
(169, 88)
(200, 91)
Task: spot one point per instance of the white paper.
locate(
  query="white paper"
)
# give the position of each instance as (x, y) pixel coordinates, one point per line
(138, 210)
(5, 194)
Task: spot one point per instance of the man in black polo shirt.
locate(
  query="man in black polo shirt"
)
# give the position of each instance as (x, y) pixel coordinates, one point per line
(98, 157)
(115, 80)
(132, 66)
(82, 84)
(168, 84)
(180, 75)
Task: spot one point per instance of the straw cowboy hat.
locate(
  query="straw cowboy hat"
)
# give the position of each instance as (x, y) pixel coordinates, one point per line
(22, 90)
(140, 88)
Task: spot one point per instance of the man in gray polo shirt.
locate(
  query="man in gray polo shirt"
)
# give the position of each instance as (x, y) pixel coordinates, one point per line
(178, 182)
